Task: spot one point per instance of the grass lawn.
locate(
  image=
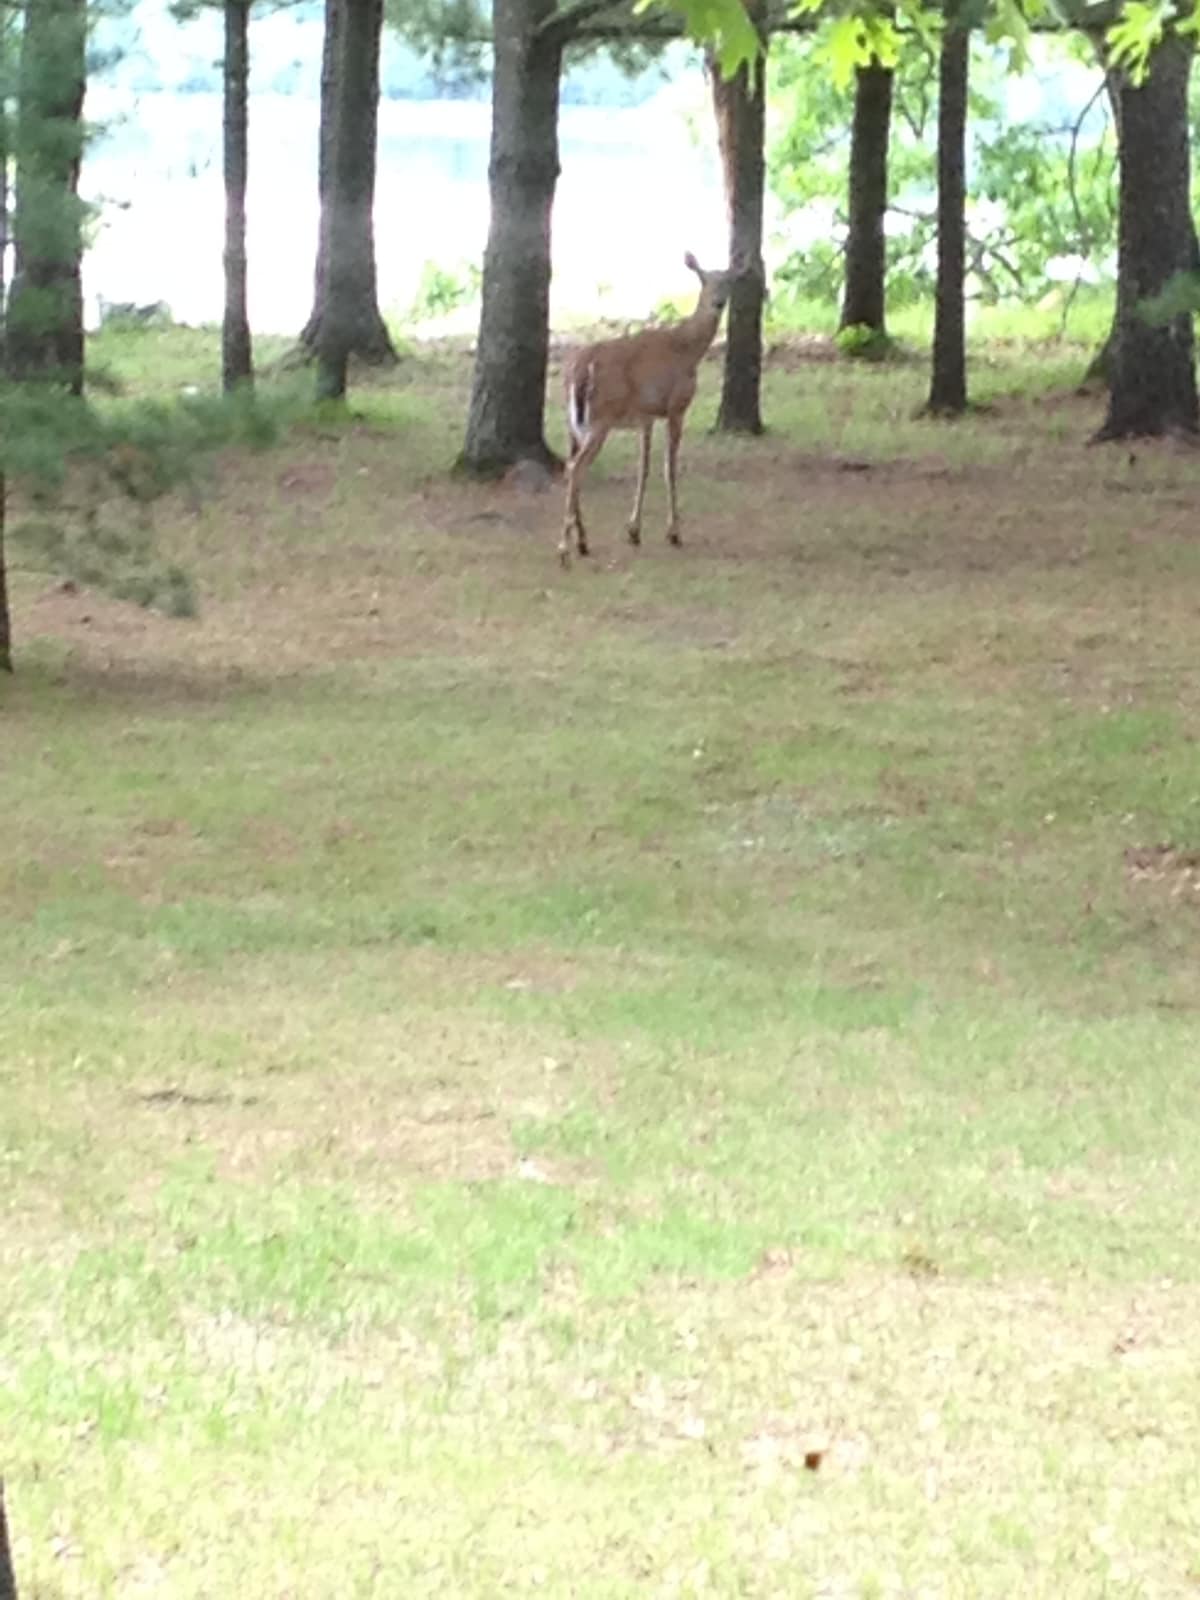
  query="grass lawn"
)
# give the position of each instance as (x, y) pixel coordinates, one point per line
(672, 1078)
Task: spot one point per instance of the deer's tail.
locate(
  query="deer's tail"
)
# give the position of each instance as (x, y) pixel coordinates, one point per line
(579, 404)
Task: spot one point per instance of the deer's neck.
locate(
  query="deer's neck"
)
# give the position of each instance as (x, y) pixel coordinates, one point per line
(699, 330)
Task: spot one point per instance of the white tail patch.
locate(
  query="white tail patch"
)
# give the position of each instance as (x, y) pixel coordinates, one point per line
(579, 404)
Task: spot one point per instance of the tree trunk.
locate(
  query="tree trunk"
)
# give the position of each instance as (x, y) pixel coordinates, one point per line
(5, 617)
(45, 306)
(863, 299)
(331, 46)
(7, 52)
(5, 647)
(506, 419)
(1152, 383)
(346, 180)
(237, 365)
(739, 104)
(8, 1579)
(948, 387)
(1099, 368)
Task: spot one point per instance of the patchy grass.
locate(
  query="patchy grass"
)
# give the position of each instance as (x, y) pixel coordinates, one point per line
(675, 1077)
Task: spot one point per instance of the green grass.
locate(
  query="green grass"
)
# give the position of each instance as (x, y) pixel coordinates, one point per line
(1083, 319)
(660, 1079)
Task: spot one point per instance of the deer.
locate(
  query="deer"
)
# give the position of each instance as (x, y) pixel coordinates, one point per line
(632, 382)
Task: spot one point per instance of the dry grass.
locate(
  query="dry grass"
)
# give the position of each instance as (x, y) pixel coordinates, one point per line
(670, 1078)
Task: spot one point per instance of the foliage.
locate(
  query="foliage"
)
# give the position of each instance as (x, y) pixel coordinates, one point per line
(441, 290)
(1041, 192)
(85, 479)
(723, 26)
(1140, 26)
(1180, 296)
(864, 343)
(858, 33)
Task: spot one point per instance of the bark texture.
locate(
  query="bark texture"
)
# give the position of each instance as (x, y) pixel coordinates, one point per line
(739, 105)
(948, 385)
(5, 615)
(346, 185)
(5, 646)
(506, 417)
(236, 353)
(1152, 376)
(864, 294)
(8, 1580)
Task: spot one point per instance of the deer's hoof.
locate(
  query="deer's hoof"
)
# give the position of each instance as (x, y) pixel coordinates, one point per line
(635, 535)
(673, 537)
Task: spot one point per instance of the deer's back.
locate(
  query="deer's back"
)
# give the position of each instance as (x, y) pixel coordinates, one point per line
(647, 374)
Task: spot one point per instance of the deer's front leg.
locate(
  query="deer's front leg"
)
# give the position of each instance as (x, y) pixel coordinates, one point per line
(635, 518)
(674, 435)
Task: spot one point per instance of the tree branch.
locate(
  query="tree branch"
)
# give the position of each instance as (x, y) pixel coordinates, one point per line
(567, 22)
(586, 19)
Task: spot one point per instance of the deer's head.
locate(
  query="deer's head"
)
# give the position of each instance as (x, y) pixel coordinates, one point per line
(716, 287)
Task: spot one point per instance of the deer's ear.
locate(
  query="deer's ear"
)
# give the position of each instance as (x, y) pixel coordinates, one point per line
(690, 261)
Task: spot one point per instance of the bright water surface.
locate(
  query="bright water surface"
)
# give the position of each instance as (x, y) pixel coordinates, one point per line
(636, 191)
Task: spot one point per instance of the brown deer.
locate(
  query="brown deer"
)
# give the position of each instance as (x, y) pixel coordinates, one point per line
(630, 383)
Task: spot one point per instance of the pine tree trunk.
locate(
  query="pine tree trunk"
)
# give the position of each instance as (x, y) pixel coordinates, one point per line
(346, 179)
(237, 365)
(739, 104)
(948, 387)
(863, 299)
(1152, 379)
(506, 418)
(44, 319)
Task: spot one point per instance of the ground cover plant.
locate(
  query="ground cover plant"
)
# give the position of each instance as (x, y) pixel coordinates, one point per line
(672, 1078)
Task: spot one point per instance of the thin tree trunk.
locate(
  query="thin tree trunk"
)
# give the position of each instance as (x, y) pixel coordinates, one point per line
(1152, 385)
(330, 49)
(948, 386)
(8, 1579)
(44, 316)
(863, 299)
(739, 104)
(5, 644)
(346, 243)
(5, 616)
(506, 417)
(237, 365)
(7, 51)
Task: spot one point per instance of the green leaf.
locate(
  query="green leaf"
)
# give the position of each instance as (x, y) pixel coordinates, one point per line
(923, 23)
(1008, 24)
(843, 49)
(1135, 33)
(723, 25)
(856, 41)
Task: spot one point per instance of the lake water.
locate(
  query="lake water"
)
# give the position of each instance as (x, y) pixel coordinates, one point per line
(637, 190)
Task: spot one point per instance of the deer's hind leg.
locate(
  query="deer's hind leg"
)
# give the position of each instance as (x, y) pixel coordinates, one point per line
(582, 456)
